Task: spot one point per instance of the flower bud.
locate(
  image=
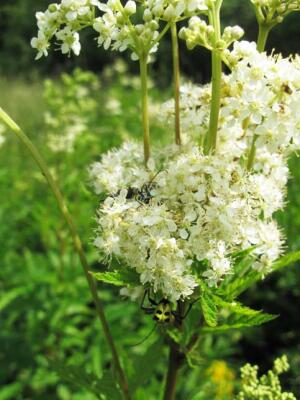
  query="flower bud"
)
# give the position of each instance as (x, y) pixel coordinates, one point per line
(147, 17)
(153, 25)
(130, 7)
(194, 22)
(52, 7)
(182, 33)
(169, 12)
(221, 44)
(158, 10)
(139, 29)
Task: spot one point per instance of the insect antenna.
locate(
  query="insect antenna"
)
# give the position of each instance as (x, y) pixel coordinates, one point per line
(145, 338)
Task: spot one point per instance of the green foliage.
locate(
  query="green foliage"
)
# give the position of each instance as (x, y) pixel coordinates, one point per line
(46, 310)
(144, 366)
(209, 308)
(105, 386)
(123, 277)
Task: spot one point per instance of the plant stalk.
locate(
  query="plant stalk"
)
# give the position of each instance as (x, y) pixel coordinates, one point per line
(211, 142)
(176, 78)
(175, 362)
(77, 244)
(144, 105)
(263, 33)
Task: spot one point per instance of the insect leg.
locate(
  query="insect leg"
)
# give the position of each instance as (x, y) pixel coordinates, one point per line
(189, 308)
(148, 310)
(153, 302)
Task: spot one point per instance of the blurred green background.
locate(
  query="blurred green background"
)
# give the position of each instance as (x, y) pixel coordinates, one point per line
(46, 311)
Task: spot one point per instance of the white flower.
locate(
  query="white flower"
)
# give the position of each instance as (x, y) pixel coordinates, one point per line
(70, 41)
(40, 43)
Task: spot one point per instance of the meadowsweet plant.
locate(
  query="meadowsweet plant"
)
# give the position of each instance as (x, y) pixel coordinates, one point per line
(184, 229)
(268, 385)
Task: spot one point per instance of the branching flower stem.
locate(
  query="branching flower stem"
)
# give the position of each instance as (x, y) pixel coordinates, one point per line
(176, 78)
(144, 105)
(76, 241)
(263, 34)
(211, 140)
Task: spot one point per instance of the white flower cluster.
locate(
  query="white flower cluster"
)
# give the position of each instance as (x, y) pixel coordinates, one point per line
(185, 215)
(134, 25)
(199, 208)
(63, 21)
(260, 98)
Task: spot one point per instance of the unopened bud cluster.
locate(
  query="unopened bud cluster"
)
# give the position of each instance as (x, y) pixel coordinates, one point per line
(267, 386)
(272, 12)
(199, 33)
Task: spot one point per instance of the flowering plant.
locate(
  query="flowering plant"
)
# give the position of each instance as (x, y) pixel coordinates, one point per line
(190, 223)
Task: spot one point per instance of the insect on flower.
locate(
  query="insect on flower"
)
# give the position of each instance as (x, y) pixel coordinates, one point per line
(162, 311)
(142, 195)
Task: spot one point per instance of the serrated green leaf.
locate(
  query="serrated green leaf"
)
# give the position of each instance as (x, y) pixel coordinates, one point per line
(126, 277)
(242, 321)
(241, 316)
(209, 308)
(235, 307)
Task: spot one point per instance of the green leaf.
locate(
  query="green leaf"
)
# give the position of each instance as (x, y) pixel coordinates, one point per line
(242, 321)
(245, 276)
(240, 317)
(209, 308)
(286, 260)
(194, 359)
(175, 335)
(10, 296)
(10, 391)
(239, 255)
(126, 277)
(77, 376)
(145, 365)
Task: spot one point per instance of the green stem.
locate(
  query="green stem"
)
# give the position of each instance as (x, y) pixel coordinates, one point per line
(263, 34)
(176, 77)
(252, 152)
(76, 240)
(211, 142)
(144, 104)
